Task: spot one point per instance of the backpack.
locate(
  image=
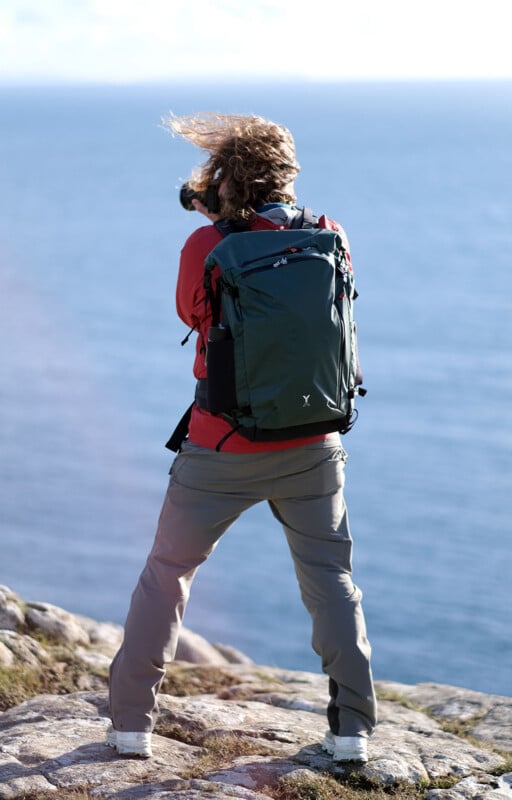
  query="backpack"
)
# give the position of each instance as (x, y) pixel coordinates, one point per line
(281, 356)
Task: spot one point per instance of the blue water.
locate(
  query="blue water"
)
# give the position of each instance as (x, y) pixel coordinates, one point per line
(93, 376)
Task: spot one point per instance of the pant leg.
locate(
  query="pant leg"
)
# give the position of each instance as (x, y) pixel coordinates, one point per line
(191, 522)
(315, 520)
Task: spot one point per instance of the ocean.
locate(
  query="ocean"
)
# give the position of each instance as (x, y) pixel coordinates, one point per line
(93, 377)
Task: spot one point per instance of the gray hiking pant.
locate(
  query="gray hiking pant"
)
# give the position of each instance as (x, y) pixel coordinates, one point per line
(207, 492)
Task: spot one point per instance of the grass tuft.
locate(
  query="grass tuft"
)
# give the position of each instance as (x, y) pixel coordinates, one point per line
(506, 767)
(307, 787)
(21, 683)
(61, 794)
(173, 730)
(461, 728)
(183, 680)
(221, 750)
(18, 684)
(395, 697)
(349, 786)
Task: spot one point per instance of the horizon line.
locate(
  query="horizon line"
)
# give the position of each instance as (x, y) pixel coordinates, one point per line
(241, 81)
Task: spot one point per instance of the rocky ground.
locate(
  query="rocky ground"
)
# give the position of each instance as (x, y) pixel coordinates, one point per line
(228, 728)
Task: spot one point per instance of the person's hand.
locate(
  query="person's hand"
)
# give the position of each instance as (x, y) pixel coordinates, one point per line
(204, 210)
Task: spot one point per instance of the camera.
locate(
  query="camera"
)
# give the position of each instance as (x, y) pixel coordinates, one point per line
(209, 198)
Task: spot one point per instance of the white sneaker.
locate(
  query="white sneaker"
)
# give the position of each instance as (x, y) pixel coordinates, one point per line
(129, 743)
(345, 748)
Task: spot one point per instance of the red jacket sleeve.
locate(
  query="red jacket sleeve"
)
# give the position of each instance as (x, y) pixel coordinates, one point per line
(190, 294)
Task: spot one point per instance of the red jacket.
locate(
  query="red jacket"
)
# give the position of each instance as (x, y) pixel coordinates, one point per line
(206, 429)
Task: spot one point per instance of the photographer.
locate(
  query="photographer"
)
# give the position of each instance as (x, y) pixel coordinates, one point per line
(246, 182)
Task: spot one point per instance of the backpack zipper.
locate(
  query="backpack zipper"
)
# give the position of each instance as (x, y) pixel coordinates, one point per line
(285, 258)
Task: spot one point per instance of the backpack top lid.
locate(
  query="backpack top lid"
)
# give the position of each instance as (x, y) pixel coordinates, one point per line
(246, 248)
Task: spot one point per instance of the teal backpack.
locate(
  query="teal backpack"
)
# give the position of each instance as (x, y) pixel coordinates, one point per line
(281, 356)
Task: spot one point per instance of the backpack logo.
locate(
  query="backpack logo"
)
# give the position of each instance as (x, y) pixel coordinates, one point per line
(280, 262)
(306, 403)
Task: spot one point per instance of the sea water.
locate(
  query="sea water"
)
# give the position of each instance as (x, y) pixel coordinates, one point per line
(93, 378)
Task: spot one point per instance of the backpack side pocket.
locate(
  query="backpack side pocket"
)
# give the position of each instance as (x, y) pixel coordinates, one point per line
(220, 369)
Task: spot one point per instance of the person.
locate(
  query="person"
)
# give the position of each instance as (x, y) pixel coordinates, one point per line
(253, 164)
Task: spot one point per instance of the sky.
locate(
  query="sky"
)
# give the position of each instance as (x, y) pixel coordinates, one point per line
(126, 41)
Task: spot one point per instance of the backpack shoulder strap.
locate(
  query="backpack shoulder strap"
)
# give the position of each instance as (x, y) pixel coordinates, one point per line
(180, 432)
(226, 226)
(213, 295)
(306, 220)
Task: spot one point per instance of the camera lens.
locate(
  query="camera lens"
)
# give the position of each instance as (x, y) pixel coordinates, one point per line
(186, 196)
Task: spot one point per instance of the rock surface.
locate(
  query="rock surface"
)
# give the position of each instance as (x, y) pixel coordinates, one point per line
(228, 729)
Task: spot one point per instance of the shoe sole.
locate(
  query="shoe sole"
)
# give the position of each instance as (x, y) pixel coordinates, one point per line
(125, 750)
(348, 757)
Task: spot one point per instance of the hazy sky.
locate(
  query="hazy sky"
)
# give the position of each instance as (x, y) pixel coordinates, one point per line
(136, 40)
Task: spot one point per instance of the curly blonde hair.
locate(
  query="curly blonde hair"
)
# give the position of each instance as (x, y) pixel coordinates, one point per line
(255, 156)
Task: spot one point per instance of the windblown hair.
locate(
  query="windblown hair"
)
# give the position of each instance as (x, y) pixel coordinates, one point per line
(254, 155)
